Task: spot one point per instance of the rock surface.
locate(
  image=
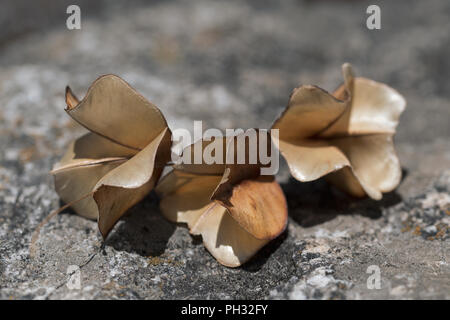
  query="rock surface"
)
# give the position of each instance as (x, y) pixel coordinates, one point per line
(231, 64)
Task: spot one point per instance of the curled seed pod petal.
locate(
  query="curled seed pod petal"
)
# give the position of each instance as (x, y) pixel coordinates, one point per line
(111, 108)
(185, 196)
(224, 238)
(129, 183)
(258, 205)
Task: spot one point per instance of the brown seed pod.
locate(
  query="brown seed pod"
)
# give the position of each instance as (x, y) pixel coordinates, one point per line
(120, 160)
(347, 135)
(234, 208)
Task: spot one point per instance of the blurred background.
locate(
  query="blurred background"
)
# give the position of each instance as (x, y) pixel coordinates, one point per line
(232, 64)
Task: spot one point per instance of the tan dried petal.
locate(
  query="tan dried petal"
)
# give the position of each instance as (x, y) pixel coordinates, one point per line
(130, 182)
(71, 98)
(310, 159)
(374, 108)
(86, 161)
(224, 238)
(374, 162)
(112, 109)
(309, 111)
(258, 205)
(74, 182)
(185, 196)
(90, 149)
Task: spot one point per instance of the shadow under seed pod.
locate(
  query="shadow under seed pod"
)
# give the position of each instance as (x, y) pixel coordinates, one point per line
(143, 231)
(316, 202)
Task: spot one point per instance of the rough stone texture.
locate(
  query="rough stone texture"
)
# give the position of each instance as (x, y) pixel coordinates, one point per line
(231, 64)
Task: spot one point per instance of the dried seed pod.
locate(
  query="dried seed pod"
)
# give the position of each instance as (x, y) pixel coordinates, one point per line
(234, 208)
(120, 160)
(346, 135)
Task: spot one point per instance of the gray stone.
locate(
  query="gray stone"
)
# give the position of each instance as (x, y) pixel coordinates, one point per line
(231, 64)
